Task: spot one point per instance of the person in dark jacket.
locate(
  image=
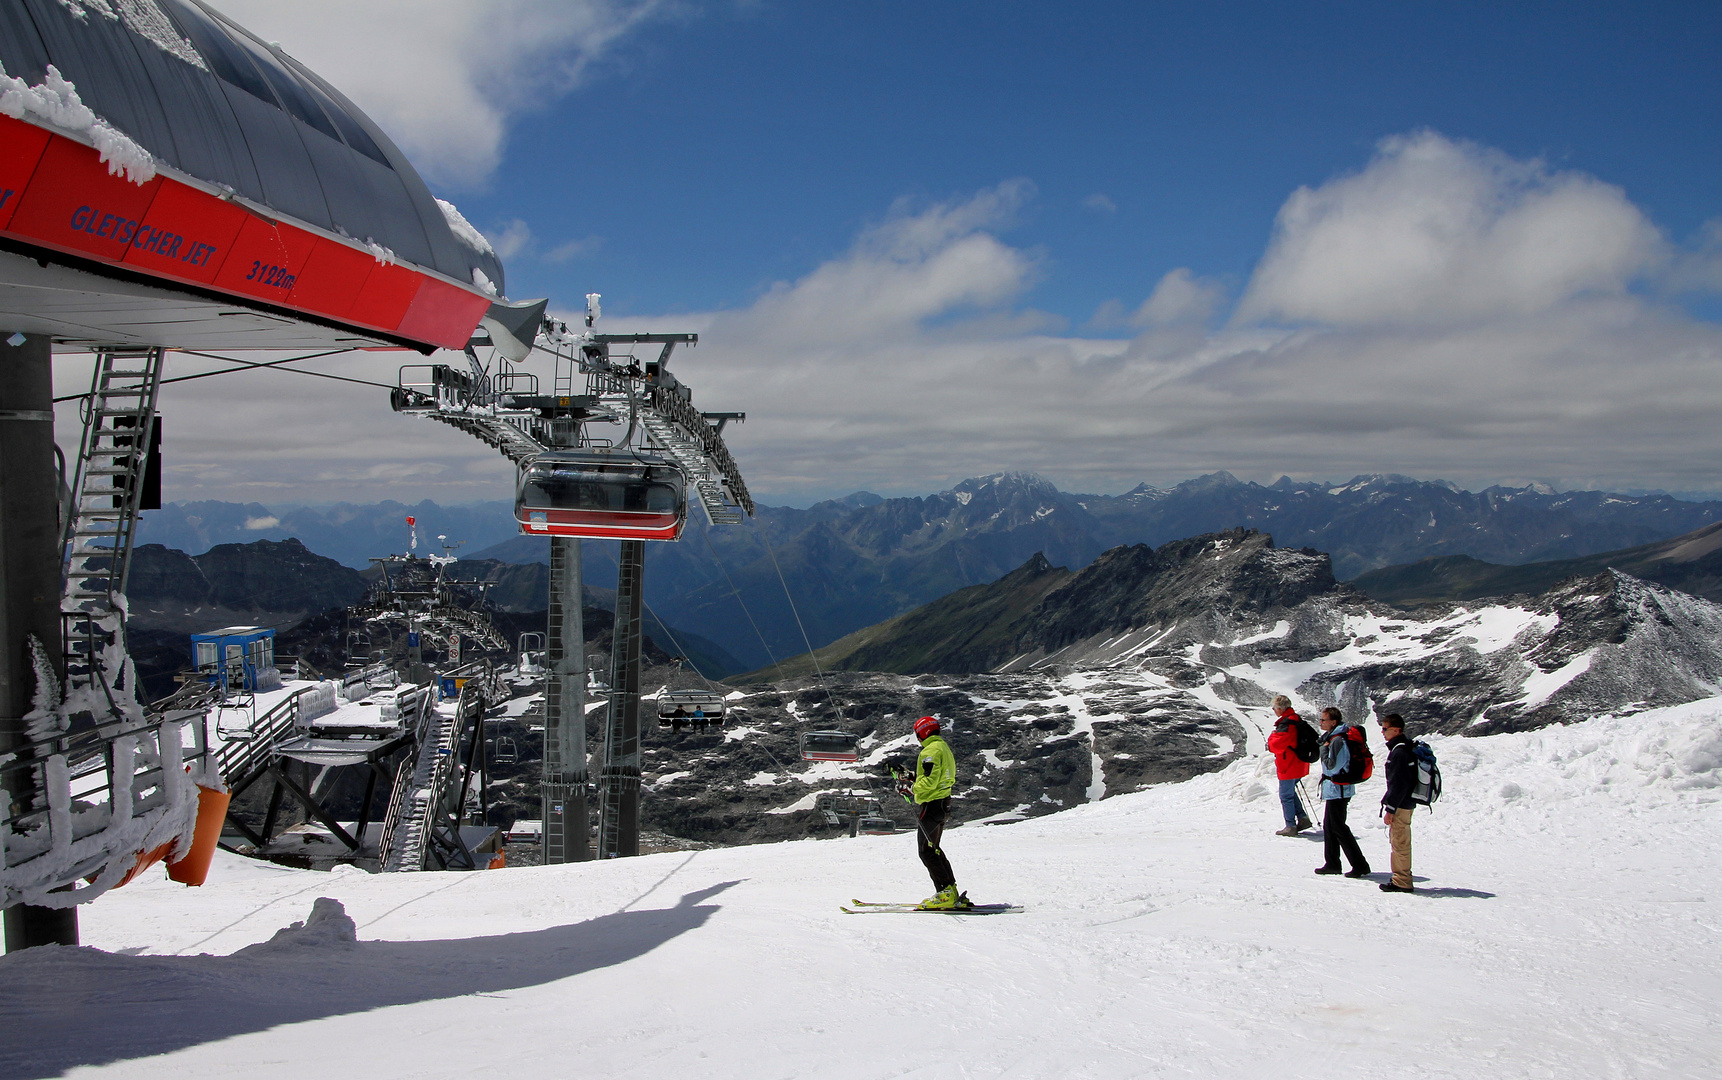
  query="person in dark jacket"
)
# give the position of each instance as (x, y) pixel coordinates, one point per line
(1290, 768)
(1336, 834)
(1401, 773)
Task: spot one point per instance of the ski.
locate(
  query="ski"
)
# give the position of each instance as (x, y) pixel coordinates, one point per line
(868, 907)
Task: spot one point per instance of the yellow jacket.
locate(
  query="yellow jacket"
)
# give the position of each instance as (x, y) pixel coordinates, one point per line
(935, 771)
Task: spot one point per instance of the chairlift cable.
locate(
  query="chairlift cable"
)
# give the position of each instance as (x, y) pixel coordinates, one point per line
(759, 530)
(248, 364)
(735, 592)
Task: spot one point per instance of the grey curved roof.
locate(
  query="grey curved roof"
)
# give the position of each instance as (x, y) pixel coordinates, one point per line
(210, 99)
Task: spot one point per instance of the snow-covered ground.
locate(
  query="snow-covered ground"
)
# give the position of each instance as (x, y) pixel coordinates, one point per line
(1567, 926)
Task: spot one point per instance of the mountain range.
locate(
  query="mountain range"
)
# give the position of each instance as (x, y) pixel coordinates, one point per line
(851, 563)
(1691, 562)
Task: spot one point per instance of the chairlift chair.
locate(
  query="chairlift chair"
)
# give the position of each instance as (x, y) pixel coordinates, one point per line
(829, 746)
(601, 495)
(506, 752)
(696, 707)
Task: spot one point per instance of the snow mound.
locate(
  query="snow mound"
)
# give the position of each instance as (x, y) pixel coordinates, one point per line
(327, 927)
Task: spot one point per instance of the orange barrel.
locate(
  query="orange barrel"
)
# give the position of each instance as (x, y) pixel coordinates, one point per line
(211, 815)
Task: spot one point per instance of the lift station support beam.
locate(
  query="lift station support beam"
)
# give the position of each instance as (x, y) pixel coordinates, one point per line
(566, 828)
(619, 780)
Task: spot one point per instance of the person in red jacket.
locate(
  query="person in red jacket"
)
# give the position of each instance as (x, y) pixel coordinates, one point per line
(1291, 768)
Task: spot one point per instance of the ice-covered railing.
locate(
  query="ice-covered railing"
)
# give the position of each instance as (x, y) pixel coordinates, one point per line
(84, 807)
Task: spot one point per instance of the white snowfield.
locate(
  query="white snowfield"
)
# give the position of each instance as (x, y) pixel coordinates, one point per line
(1568, 925)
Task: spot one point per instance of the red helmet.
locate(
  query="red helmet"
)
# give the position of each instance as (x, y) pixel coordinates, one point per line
(925, 726)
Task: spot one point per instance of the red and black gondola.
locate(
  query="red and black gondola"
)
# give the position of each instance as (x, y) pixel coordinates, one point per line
(601, 496)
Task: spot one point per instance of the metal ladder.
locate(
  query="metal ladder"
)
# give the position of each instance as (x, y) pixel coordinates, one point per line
(102, 520)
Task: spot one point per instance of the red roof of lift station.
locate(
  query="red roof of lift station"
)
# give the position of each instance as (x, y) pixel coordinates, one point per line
(271, 212)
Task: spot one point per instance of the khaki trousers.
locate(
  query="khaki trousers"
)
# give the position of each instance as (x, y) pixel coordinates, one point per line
(1399, 836)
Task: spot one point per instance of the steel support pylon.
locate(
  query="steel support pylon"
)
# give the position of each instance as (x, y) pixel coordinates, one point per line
(619, 780)
(566, 828)
(29, 584)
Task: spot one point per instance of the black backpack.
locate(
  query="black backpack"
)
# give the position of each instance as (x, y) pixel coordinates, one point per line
(1308, 748)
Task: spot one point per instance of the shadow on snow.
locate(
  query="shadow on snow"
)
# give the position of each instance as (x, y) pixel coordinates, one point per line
(64, 1008)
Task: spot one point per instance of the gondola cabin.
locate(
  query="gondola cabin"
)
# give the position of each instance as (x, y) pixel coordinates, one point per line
(829, 746)
(236, 658)
(601, 496)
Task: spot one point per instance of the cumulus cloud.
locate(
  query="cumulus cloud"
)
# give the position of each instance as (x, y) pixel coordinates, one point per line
(903, 271)
(446, 77)
(1435, 231)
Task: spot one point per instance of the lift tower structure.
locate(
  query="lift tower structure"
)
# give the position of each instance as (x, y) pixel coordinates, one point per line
(581, 478)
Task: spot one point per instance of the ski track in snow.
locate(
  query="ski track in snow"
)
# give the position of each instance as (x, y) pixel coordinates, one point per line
(1566, 929)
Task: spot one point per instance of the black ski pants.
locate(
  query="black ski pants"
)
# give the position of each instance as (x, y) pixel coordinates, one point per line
(1336, 836)
(932, 828)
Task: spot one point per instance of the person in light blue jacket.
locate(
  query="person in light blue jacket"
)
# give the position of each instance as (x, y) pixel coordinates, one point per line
(1335, 833)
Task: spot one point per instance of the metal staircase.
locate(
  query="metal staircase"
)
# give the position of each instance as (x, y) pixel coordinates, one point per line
(107, 492)
(422, 787)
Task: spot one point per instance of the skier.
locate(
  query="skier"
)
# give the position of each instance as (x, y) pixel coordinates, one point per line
(1396, 805)
(935, 776)
(1290, 768)
(1336, 834)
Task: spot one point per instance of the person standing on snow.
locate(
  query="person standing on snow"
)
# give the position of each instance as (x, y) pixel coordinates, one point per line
(935, 777)
(1401, 770)
(1336, 834)
(1290, 768)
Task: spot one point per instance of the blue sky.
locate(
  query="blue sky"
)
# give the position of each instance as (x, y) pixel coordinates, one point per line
(767, 136)
(1110, 243)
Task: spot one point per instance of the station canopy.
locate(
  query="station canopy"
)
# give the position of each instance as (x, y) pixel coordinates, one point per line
(264, 211)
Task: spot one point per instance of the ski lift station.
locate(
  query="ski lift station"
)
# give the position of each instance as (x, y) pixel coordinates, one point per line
(236, 657)
(171, 182)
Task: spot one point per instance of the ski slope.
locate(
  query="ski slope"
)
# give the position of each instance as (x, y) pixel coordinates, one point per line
(1568, 926)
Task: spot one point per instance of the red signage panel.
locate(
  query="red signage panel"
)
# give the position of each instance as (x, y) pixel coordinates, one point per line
(443, 314)
(186, 233)
(266, 260)
(21, 147)
(334, 276)
(72, 203)
(387, 294)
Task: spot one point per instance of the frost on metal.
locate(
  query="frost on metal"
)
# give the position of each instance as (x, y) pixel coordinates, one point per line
(90, 819)
(463, 230)
(56, 102)
(145, 19)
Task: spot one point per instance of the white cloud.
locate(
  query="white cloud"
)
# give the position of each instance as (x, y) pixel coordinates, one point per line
(261, 523)
(514, 237)
(446, 77)
(1100, 203)
(902, 272)
(1180, 297)
(1434, 231)
(574, 249)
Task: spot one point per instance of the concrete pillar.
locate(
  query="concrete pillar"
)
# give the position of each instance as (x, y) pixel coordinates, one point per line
(29, 581)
